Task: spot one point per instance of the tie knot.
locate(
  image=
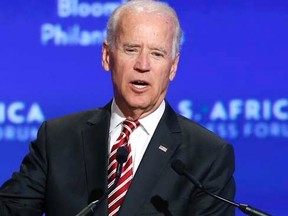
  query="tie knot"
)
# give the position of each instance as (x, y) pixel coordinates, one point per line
(129, 126)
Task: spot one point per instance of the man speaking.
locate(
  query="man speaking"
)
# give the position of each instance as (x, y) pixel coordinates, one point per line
(76, 156)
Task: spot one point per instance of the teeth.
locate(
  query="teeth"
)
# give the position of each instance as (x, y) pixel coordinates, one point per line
(139, 86)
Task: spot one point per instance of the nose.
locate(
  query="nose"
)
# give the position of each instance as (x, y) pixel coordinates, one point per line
(142, 63)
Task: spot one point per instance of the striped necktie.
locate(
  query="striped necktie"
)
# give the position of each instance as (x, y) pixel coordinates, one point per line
(116, 196)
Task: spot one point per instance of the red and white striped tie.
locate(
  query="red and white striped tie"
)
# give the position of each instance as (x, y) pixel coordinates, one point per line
(116, 197)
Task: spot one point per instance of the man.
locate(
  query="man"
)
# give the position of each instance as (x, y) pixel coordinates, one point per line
(68, 162)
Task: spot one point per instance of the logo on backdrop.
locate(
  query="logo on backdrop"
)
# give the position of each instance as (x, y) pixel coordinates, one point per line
(19, 121)
(241, 118)
(75, 34)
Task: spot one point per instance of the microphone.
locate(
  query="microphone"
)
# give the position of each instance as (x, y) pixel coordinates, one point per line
(121, 158)
(179, 167)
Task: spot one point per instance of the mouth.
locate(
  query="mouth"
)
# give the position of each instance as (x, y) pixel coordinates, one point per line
(139, 84)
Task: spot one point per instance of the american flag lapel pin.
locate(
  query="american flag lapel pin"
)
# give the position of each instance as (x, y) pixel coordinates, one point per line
(163, 148)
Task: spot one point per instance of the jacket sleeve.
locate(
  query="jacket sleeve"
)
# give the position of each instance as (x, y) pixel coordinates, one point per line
(218, 180)
(24, 193)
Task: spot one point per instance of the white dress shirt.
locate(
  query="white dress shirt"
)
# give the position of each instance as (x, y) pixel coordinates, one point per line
(140, 137)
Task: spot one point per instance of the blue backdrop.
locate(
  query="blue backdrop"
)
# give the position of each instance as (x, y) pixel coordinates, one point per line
(232, 79)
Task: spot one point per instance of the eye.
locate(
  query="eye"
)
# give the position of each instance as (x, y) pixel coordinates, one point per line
(158, 54)
(130, 50)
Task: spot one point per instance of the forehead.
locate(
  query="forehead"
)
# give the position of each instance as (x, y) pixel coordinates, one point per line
(145, 26)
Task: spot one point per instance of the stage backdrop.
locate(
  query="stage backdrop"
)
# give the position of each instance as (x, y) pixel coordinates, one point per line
(232, 79)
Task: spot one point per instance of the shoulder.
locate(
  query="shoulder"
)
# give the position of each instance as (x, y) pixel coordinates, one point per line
(75, 121)
(190, 127)
(200, 137)
(203, 151)
(78, 117)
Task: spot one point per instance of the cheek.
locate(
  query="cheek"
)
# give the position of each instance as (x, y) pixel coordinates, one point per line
(123, 65)
(119, 79)
(162, 81)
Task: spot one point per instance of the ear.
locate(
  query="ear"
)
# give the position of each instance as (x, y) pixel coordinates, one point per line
(174, 67)
(105, 56)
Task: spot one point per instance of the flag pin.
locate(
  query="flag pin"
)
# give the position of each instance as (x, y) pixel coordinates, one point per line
(163, 148)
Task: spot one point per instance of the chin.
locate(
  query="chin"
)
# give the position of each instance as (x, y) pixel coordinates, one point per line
(137, 104)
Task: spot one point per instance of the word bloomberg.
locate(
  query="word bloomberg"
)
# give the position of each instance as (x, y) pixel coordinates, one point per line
(241, 118)
(59, 34)
(19, 121)
(74, 8)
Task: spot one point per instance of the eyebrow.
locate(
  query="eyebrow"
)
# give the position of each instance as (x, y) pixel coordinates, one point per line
(131, 45)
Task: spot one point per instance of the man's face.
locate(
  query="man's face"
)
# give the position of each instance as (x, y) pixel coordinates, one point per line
(141, 62)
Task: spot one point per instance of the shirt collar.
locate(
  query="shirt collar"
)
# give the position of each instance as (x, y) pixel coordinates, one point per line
(148, 123)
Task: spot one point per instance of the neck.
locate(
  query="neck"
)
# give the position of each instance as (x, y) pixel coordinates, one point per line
(137, 113)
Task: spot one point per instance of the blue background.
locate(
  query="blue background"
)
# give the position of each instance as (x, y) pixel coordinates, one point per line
(232, 50)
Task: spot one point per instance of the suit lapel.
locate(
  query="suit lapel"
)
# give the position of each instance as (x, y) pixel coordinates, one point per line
(156, 158)
(95, 140)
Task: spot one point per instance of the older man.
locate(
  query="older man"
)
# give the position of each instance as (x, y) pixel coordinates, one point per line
(75, 156)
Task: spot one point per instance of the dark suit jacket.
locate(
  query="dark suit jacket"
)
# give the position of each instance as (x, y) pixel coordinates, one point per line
(67, 165)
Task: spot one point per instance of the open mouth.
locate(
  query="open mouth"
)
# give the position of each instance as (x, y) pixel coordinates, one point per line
(139, 84)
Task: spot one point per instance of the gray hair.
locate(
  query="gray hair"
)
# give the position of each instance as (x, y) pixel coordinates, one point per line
(146, 6)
